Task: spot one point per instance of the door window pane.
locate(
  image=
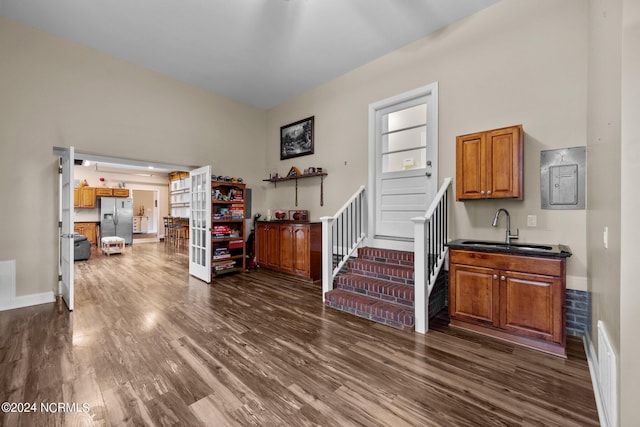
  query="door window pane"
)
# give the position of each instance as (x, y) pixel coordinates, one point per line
(404, 160)
(405, 139)
(406, 118)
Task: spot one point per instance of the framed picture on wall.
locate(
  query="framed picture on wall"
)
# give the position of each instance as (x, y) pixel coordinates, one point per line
(296, 139)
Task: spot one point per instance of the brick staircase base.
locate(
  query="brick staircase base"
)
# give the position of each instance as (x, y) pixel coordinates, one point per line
(378, 285)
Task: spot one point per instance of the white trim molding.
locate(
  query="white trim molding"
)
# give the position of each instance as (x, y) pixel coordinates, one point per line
(8, 298)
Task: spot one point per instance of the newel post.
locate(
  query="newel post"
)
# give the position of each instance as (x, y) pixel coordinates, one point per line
(327, 255)
(421, 304)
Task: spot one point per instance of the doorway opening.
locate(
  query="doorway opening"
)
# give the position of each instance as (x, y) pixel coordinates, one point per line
(146, 216)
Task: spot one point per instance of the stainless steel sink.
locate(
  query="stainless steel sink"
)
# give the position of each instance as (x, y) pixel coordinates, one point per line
(520, 246)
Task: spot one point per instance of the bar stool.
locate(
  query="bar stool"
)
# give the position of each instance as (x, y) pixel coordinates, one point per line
(182, 233)
(166, 221)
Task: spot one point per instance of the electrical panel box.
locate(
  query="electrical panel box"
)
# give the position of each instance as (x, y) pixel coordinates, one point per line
(562, 178)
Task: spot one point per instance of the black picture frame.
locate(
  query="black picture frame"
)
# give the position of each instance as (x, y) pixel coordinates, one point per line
(296, 139)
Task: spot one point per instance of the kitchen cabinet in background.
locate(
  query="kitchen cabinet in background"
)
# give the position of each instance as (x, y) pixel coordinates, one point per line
(84, 197)
(89, 229)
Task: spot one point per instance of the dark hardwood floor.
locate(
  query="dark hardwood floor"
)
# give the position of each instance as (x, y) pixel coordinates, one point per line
(150, 345)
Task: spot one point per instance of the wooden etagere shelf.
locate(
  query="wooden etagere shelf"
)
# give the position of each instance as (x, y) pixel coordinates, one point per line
(228, 212)
(275, 182)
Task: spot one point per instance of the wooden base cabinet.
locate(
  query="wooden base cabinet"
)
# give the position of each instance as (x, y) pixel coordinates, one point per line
(512, 297)
(89, 229)
(290, 247)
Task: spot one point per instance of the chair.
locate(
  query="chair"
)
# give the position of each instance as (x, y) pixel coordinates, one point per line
(182, 233)
(170, 230)
(81, 248)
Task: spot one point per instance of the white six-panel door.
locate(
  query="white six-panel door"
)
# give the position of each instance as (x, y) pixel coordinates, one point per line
(200, 224)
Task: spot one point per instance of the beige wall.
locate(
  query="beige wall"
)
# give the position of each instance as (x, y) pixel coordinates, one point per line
(603, 156)
(517, 62)
(629, 289)
(57, 93)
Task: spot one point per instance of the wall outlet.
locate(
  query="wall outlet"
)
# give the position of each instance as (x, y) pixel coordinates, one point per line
(532, 220)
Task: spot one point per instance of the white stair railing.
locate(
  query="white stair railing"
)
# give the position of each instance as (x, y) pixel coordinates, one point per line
(342, 233)
(430, 238)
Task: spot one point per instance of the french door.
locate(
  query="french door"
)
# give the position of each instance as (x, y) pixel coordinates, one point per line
(67, 160)
(200, 224)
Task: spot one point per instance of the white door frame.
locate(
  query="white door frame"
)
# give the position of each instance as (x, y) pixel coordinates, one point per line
(430, 90)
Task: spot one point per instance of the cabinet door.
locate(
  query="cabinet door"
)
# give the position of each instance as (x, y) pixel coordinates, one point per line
(287, 250)
(301, 244)
(504, 166)
(273, 249)
(262, 244)
(474, 294)
(268, 245)
(532, 305)
(76, 197)
(471, 166)
(87, 197)
(87, 229)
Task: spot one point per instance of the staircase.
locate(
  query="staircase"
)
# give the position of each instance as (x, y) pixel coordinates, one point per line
(399, 289)
(377, 285)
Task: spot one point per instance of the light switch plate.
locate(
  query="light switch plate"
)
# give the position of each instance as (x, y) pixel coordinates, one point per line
(532, 220)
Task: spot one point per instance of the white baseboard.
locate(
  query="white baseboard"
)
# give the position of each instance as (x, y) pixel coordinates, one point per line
(8, 298)
(592, 359)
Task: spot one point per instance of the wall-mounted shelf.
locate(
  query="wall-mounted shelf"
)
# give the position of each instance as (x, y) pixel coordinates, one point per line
(275, 182)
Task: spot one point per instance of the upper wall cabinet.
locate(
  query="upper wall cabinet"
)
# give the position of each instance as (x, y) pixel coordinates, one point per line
(489, 165)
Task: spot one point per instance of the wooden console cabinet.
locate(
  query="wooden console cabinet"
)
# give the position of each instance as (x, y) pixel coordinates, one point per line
(489, 165)
(290, 247)
(512, 297)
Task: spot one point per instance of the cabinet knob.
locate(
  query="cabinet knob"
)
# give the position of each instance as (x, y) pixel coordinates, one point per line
(502, 278)
(489, 192)
(495, 276)
(482, 192)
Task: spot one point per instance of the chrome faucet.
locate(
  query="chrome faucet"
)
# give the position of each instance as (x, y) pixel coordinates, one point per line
(509, 237)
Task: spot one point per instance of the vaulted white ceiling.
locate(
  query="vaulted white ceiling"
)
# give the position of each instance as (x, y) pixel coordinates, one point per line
(260, 52)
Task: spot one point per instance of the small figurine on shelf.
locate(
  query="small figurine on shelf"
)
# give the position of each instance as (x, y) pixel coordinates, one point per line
(84, 183)
(102, 180)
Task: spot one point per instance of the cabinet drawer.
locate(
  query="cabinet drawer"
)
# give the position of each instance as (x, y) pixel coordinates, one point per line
(524, 264)
(120, 192)
(104, 192)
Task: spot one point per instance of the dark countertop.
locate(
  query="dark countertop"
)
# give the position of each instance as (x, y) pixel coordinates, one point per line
(288, 221)
(519, 248)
